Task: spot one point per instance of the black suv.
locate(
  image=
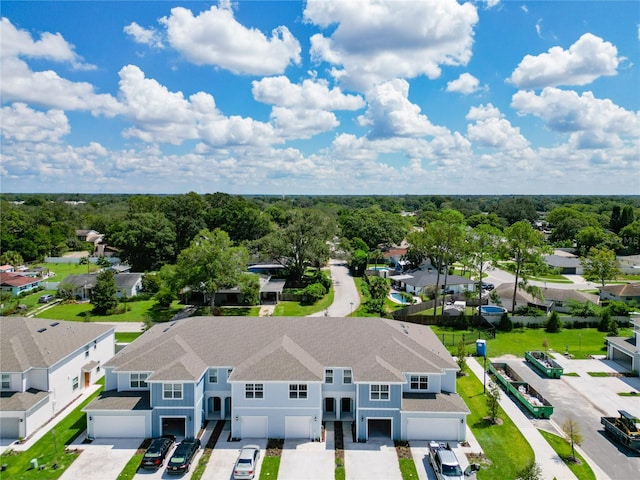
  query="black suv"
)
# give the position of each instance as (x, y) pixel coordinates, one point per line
(181, 459)
(157, 452)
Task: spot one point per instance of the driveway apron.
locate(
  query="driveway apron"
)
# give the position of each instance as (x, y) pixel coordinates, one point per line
(305, 460)
(375, 459)
(103, 459)
(223, 458)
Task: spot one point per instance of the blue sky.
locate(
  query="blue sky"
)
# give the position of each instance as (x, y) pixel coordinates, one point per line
(321, 97)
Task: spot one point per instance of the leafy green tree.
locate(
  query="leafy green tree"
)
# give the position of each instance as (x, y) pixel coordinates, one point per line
(66, 290)
(482, 243)
(591, 237)
(600, 265)
(11, 258)
(187, 214)
(147, 240)
(301, 242)
(461, 357)
(579, 309)
(516, 209)
(210, 263)
(554, 324)
(505, 324)
(378, 287)
(571, 429)
(250, 288)
(312, 293)
(165, 296)
(620, 218)
(374, 226)
(523, 245)
(493, 402)
(630, 237)
(103, 295)
(566, 222)
(531, 472)
(239, 217)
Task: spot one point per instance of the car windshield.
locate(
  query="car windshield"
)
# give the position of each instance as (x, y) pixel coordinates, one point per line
(244, 460)
(175, 459)
(451, 470)
(152, 454)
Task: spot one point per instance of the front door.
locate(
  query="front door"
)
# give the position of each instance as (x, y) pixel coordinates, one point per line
(87, 379)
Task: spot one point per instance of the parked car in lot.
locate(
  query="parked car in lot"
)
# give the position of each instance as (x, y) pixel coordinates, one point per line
(180, 461)
(245, 468)
(157, 452)
(45, 298)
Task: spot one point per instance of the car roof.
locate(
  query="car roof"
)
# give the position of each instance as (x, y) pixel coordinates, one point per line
(248, 450)
(447, 457)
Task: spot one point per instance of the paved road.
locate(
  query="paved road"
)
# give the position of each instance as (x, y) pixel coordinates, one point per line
(588, 398)
(345, 299)
(498, 277)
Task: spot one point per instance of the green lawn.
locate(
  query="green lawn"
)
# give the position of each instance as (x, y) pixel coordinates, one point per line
(131, 468)
(62, 270)
(295, 309)
(47, 451)
(126, 337)
(136, 312)
(270, 467)
(408, 469)
(563, 449)
(504, 445)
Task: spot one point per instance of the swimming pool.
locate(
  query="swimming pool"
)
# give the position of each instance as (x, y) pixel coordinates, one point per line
(397, 297)
(492, 310)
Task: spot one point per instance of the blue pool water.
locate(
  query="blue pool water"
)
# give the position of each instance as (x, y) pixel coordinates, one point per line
(492, 310)
(379, 268)
(398, 298)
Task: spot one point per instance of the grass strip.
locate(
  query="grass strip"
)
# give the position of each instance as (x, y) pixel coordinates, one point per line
(271, 460)
(580, 469)
(131, 468)
(405, 460)
(338, 436)
(50, 449)
(504, 446)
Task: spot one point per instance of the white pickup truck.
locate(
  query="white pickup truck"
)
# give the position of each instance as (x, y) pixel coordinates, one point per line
(445, 463)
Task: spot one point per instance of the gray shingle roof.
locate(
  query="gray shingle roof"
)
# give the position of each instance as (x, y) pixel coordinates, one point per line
(39, 343)
(88, 280)
(425, 278)
(433, 402)
(284, 348)
(114, 400)
(21, 401)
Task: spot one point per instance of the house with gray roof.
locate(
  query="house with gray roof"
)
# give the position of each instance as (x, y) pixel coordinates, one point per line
(127, 284)
(281, 377)
(419, 281)
(565, 263)
(44, 366)
(626, 350)
(623, 292)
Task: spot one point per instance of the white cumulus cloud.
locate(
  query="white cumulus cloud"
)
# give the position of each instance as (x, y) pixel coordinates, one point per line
(376, 40)
(492, 130)
(585, 61)
(145, 36)
(24, 124)
(215, 37)
(465, 83)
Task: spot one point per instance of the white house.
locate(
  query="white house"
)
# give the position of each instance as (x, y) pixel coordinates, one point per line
(44, 366)
(626, 351)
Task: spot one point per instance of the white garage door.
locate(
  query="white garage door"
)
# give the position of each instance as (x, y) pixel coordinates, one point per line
(9, 428)
(119, 427)
(432, 428)
(254, 427)
(297, 427)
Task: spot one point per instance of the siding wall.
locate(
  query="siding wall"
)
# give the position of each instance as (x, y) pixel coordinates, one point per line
(187, 400)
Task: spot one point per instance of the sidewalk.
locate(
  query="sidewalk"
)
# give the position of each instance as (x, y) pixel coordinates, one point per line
(550, 463)
(38, 434)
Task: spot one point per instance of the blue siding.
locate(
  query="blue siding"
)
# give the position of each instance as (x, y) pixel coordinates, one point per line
(395, 398)
(188, 396)
(192, 426)
(364, 415)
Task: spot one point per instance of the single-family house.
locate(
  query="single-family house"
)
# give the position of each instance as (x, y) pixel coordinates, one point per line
(565, 263)
(624, 350)
(523, 298)
(90, 236)
(282, 377)
(6, 268)
(127, 284)
(623, 292)
(562, 298)
(44, 366)
(17, 283)
(420, 281)
(270, 292)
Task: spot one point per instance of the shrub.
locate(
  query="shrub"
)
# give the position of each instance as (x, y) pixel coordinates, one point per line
(603, 325)
(505, 325)
(312, 293)
(554, 325)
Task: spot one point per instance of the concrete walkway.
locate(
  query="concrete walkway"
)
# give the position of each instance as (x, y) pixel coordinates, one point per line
(345, 299)
(550, 463)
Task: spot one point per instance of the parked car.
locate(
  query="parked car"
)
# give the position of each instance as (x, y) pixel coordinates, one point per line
(45, 298)
(157, 452)
(245, 468)
(180, 461)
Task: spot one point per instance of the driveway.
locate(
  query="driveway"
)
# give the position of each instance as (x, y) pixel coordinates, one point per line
(223, 458)
(374, 460)
(305, 460)
(346, 299)
(103, 459)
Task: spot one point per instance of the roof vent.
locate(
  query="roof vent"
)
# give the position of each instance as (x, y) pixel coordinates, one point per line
(42, 330)
(54, 324)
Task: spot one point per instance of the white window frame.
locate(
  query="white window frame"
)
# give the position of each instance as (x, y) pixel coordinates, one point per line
(172, 391)
(379, 392)
(347, 375)
(6, 381)
(212, 376)
(328, 375)
(141, 380)
(298, 391)
(254, 391)
(229, 372)
(75, 383)
(419, 380)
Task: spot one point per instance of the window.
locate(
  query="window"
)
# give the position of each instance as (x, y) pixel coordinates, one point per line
(254, 390)
(6, 381)
(172, 391)
(213, 375)
(75, 383)
(328, 375)
(419, 382)
(229, 371)
(138, 380)
(379, 392)
(346, 378)
(86, 352)
(297, 391)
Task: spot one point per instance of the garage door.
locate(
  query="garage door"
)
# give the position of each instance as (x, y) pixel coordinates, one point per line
(9, 428)
(119, 427)
(432, 428)
(297, 427)
(254, 427)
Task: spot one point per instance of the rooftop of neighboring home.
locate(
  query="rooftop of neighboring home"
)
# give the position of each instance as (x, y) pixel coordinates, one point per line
(285, 348)
(562, 261)
(88, 280)
(428, 276)
(623, 289)
(33, 342)
(16, 279)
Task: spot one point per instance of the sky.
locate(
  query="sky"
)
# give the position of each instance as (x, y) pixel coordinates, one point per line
(328, 97)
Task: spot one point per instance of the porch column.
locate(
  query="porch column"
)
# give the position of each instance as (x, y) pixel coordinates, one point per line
(338, 407)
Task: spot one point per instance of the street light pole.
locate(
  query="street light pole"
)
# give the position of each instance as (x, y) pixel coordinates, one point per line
(484, 374)
(351, 303)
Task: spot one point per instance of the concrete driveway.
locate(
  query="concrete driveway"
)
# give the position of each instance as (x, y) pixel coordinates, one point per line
(374, 460)
(223, 457)
(103, 459)
(305, 460)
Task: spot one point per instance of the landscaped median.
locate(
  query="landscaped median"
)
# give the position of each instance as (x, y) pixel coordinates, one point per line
(580, 468)
(271, 460)
(50, 451)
